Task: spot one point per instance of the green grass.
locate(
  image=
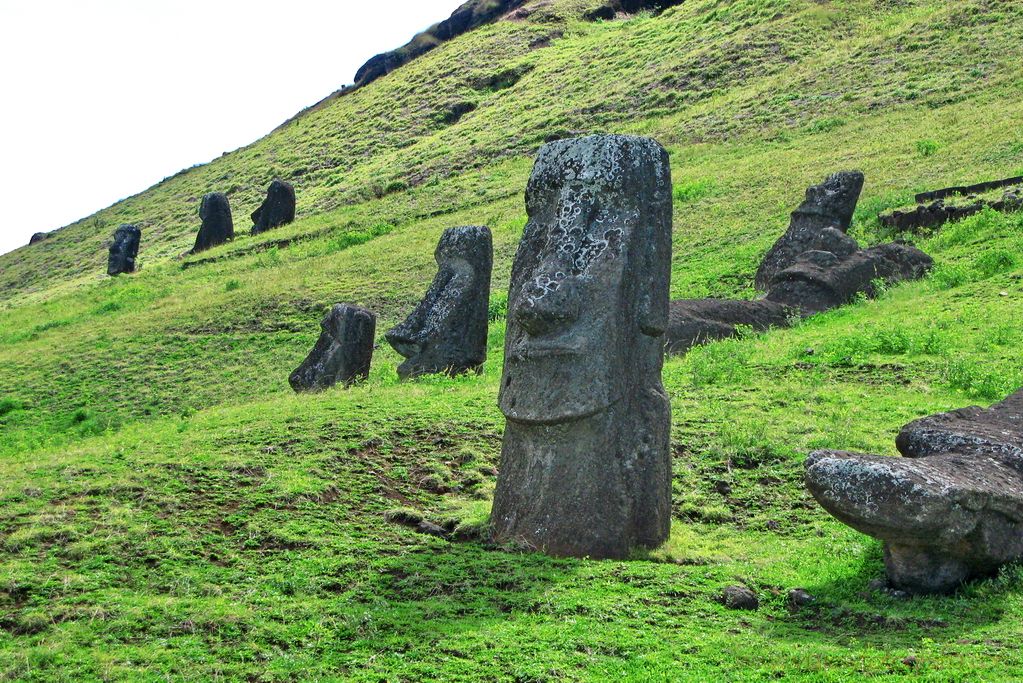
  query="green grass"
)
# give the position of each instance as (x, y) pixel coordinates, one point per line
(170, 510)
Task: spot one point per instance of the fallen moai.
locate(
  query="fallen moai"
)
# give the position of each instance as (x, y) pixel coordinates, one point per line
(277, 209)
(342, 354)
(124, 250)
(217, 225)
(585, 462)
(812, 268)
(950, 510)
(447, 331)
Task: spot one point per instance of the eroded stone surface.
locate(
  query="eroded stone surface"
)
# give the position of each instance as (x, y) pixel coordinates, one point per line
(342, 354)
(277, 209)
(447, 332)
(950, 510)
(585, 462)
(828, 205)
(697, 321)
(217, 225)
(124, 250)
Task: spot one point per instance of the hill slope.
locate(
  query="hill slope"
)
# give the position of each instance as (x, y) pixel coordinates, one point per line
(169, 509)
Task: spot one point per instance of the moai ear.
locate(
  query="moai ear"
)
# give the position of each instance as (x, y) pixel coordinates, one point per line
(654, 279)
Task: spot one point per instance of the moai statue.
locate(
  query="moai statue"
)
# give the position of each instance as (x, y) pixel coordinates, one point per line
(828, 205)
(949, 510)
(217, 226)
(124, 250)
(586, 459)
(447, 332)
(277, 209)
(342, 354)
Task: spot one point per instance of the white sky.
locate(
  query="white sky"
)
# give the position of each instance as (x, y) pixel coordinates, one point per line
(100, 99)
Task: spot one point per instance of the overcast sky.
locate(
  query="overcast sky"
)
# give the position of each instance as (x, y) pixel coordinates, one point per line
(100, 99)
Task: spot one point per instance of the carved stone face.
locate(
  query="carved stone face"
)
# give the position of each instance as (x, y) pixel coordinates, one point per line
(581, 292)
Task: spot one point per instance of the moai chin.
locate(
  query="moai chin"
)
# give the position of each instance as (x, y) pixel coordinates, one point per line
(447, 332)
(586, 458)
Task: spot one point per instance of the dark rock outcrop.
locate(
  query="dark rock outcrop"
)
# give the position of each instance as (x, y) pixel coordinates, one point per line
(342, 354)
(977, 188)
(277, 209)
(447, 332)
(928, 216)
(698, 321)
(124, 250)
(950, 510)
(828, 205)
(38, 237)
(217, 225)
(740, 598)
(585, 462)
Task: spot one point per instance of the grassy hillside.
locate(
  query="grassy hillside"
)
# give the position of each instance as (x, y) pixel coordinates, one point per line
(169, 509)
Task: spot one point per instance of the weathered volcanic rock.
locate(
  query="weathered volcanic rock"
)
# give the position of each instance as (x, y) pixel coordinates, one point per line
(447, 332)
(277, 209)
(585, 462)
(342, 354)
(38, 237)
(950, 510)
(124, 250)
(697, 321)
(828, 205)
(820, 280)
(217, 226)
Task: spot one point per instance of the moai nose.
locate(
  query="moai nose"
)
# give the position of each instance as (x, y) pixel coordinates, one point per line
(548, 306)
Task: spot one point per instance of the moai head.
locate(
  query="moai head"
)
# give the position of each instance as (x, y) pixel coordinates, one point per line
(589, 290)
(277, 209)
(124, 250)
(447, 332)
(834, 199)
(217, 225)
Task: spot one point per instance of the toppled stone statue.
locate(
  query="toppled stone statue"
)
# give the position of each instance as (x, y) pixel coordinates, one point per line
(342, 354)
(814, 267)
(38, 237)
(124, 250)
(217, 226)
(950, 510)
(933, 214)
(447, 332)
(828, 205)
(585, 462)
(277, 209)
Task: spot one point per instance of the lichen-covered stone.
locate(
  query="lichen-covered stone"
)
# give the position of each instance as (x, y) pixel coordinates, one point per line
(124, 250)
(585, 462)
(828, 205)
(447, 332)
(217, 225)
(950, 510)
(277, 209)
(342, 354)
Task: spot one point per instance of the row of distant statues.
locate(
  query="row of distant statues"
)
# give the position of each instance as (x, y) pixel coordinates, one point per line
(586, 459)
(217, 225)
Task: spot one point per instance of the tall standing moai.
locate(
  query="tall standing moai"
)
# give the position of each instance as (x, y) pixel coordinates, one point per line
(447, 331)
(343, 352)
(277, 209)
(586, 458)
(217, 225)
(124, 250)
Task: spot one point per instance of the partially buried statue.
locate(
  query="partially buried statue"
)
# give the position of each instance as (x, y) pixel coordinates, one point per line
(950, 510)
(342, 354)
(447, 332)
(586, 461)
(277, 209)
(124, 250)
(217, 225)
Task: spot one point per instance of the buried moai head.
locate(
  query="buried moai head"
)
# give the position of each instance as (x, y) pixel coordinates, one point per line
(342, 354)
(447, 332)
(589, 283)
(124, 250)
(277, 209)
(819, 223)
(585, 462)
(217, 225)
